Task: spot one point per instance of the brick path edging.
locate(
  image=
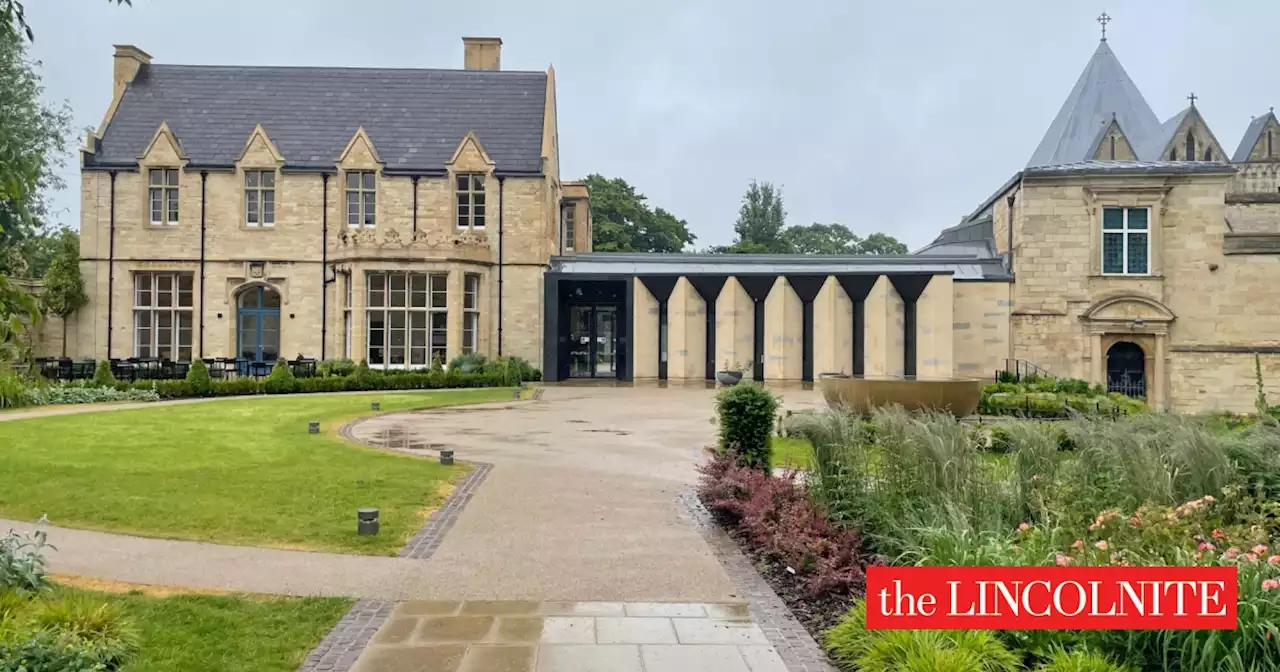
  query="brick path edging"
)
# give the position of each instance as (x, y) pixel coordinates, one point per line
(340, 649)
(794, 644)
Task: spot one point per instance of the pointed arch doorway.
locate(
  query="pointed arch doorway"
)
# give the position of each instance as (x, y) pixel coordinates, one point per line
(258, 324)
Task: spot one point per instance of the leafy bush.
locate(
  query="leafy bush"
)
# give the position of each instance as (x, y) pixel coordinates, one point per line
(468, 363)
(853, 647)
(281, 380)
(199, 380)
(102, 376)
(22, 562)
(335, 367)
(73, 394)
(783, 524)
(746, 413)
(14, 391)
(44, 652)
(1061, 660)
(91, 625)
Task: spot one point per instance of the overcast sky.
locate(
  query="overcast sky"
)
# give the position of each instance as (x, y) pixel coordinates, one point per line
(896, 116)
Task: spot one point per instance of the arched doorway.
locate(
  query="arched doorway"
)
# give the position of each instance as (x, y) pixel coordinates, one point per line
(1127, 369)
(258, 324)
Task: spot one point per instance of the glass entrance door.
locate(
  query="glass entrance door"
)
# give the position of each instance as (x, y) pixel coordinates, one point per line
(259, 325)
(593, 341)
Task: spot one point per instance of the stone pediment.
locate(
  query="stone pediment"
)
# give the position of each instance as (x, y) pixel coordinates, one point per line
(1128, 308)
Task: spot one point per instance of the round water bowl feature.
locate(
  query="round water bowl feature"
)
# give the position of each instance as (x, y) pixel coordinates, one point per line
(313, 427)
(446, 457)
(728, 378)
(958, 396)
(367, 522)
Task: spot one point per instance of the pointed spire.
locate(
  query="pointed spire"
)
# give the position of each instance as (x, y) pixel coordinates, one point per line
(1103, 90)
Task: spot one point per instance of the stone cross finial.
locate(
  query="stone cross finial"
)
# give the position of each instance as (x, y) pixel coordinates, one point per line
(1192, 98)
(1104, 20)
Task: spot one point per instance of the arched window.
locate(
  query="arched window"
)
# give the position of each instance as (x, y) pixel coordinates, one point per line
(1113, 148)
(1208, 153)
(1173, 154)
(1191, 147)
(1269, 153)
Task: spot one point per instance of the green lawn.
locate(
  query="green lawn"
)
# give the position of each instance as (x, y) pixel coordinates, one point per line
(235, 471)
(185, 632)
(791, 451)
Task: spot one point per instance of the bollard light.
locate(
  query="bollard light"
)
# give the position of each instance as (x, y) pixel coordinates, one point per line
(367, 522)
(446, 457)
(313, 427)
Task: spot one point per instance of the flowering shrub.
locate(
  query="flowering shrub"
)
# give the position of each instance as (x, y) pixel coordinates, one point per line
(781, 521)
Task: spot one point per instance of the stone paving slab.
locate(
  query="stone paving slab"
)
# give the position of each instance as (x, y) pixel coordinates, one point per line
(527, 636)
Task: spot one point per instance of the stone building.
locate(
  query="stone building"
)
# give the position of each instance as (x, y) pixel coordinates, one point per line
(394, 215)
(402, 216)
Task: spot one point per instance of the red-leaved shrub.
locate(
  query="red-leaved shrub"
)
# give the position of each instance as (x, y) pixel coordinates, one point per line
(783, 523)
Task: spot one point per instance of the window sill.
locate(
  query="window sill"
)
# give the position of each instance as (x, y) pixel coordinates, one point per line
(251, 227)
(1128, 276)
(163, 225)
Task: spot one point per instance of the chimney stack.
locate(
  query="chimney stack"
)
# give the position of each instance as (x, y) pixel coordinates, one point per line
(128, 59)
(482, 53)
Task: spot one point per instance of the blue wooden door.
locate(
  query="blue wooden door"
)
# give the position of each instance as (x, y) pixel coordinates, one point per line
(258, 325)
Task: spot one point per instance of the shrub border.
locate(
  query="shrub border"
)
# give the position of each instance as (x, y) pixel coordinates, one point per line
(793, 642)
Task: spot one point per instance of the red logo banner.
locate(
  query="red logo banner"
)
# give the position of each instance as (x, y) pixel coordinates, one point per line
(1051, 598)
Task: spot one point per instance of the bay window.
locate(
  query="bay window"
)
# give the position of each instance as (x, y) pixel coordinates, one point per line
(407, 318)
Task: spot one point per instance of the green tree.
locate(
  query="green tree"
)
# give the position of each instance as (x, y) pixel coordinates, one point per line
(63, 287)
(761, 219)
(881, 243)
(623, 222)
(13, 21)
(821, 239)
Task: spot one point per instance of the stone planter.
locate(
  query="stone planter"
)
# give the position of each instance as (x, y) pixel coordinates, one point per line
(728, 378)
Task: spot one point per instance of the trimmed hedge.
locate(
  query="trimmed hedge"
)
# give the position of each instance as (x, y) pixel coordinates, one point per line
(746, 412)
(362, 379)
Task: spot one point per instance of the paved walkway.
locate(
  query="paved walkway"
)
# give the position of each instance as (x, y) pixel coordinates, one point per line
(583, 504)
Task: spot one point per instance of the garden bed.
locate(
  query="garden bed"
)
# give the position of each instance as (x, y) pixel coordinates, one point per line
(903, 489)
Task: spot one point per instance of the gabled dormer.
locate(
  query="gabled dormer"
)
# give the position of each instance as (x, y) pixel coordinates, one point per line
(258, 167)
(360, 168)
(1261, 141)
(1187, 137)
(162, 165)
(1113, 144)
(470, 173)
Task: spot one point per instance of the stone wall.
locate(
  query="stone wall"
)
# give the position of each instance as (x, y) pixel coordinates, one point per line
(981, 328)
(291, 252)
(1219, 304)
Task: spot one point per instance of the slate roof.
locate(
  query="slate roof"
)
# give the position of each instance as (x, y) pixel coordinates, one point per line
(415, 117)
(1251, 135)
(1103, 89)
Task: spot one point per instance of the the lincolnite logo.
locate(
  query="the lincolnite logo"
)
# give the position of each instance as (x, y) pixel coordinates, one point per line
(1051, 598)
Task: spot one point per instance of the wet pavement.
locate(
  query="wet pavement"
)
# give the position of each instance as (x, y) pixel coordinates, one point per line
(529, 636)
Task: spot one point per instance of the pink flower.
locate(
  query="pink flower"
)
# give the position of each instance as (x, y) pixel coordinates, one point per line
(1271, 584)
(1035, 478)
(1093, 527)
(1024, 527)
(1062, 560)
(1232, 553)
(1209, 498)
(1219, 535)
(1135, 521)
(1079, 544)
(1260, 549)
(1273, 560)
(1101, 545)
(1206, 546)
